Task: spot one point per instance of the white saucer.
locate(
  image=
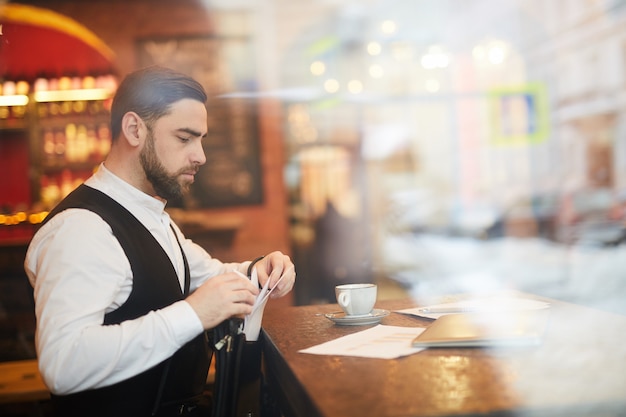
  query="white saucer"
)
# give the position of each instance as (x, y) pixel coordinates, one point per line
(372, 318)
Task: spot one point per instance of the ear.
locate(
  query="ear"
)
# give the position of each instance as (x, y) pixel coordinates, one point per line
(133, 128)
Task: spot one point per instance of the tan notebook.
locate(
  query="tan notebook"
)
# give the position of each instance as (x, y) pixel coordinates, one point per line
(512, 328)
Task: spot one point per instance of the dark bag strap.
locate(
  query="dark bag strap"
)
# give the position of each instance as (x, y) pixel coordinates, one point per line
(226, 342)
(250, 390)
(237, 389)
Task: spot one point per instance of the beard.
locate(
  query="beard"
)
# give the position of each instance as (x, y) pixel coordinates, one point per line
(165, 185)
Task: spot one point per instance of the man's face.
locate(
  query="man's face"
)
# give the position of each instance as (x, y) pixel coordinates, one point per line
(172, 153)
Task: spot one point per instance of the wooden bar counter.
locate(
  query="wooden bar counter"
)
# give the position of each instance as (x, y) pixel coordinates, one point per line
(20, 381)
(578, 370)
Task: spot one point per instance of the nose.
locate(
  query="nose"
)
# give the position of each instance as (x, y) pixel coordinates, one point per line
(198, 156)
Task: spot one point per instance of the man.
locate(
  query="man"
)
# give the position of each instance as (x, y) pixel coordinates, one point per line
(122, 299)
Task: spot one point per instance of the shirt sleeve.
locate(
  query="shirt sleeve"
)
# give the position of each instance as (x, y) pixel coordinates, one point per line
(80, 272)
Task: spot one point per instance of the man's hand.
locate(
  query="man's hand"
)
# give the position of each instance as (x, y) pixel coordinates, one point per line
(274, 266)
(221, 297)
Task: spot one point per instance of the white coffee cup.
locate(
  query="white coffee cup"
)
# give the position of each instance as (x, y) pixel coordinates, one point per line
(356, 299)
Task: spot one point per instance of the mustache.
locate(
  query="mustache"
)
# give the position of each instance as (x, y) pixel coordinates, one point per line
(190, 169)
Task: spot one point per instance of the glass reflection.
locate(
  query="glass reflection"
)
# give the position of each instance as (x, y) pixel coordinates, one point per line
(486, 141)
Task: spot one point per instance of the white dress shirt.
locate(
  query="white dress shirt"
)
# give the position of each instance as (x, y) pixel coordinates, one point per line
(80, 272)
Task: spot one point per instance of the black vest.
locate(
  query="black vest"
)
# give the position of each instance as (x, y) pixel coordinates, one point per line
(155, 285)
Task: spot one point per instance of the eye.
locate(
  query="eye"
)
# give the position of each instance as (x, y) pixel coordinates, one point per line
(184, 139)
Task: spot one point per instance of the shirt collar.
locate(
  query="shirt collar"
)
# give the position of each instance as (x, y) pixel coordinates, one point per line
(123, 192)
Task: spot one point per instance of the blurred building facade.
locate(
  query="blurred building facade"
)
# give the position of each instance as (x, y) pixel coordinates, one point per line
(476, 120)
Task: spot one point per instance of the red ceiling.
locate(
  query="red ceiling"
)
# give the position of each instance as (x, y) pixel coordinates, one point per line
(27, 51)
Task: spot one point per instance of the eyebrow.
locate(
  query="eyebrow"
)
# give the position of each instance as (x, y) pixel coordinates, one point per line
(192, 132)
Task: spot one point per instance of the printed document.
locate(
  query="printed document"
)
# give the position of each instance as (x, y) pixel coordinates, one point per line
(381, 341)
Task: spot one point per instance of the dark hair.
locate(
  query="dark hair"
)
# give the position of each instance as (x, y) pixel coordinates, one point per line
(150, 92)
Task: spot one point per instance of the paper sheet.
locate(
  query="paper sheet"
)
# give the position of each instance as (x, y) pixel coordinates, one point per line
(487, 304)
(252, 322)
(380, 341)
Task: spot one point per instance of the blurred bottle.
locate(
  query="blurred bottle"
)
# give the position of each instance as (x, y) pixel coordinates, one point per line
(48, 146)
(89, 82)
(22, 87)
(92, 144)
(82, 147)
(50, 193)
(53, 83)
(40, 85)
(65, 83)
(8, 89)
(59, 145)
(71, 148)
(67, 183)
(104, 140)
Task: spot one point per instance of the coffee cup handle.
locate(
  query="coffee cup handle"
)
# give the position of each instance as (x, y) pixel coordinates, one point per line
(344, 299)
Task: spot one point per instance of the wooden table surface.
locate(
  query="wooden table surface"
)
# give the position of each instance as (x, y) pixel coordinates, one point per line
(578, 370)
(20, 381)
